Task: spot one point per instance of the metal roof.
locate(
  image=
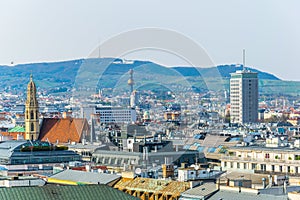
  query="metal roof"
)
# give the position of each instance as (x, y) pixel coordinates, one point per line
(232, 195)
(201, 191)
(7, 147)
(11, 144)
(85, 177)
(17, 129)
(51, 192)
(264, 148)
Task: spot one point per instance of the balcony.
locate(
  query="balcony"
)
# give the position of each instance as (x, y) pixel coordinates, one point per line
(260, 160)
(276, 173)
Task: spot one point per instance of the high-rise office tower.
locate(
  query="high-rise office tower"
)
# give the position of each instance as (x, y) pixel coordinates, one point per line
(243, 97)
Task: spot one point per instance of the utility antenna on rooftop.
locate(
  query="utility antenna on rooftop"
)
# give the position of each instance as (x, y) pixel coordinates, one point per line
(244, 59)
(99, 49)
(99, 52)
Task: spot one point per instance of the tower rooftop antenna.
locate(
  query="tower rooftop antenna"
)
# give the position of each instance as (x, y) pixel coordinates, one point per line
(244, 60)
(99, 49)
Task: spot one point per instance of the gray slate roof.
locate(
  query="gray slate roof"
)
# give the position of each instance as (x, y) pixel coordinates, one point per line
(88, 177)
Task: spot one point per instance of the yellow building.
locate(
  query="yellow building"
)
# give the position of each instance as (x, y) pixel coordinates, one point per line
(172, 116)
(31, 113)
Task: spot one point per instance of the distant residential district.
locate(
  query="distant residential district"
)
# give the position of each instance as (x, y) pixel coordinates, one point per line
(182, 144)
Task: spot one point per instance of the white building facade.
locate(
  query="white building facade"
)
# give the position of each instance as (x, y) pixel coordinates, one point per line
(243, 97)
(262, 159)
(110, 114)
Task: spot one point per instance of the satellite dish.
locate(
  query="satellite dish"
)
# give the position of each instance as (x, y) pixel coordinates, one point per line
(138, 171)
(196, 167)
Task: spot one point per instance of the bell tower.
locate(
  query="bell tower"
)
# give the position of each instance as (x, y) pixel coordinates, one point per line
(31, 113)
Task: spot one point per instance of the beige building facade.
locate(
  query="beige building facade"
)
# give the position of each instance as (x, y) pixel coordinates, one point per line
(262, 160)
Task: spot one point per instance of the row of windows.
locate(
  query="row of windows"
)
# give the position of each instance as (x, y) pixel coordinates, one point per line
(235, 111)
(296, 157)
(253, 166)
(235, 92)
(117, 121)
(51, 159)
(235, 97)
(115, 112)
(115, 117)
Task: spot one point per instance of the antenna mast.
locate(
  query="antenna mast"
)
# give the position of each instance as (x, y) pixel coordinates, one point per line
(99, 50)
(244, 60)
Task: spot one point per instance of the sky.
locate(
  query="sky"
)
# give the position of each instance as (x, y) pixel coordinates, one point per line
(56, 30)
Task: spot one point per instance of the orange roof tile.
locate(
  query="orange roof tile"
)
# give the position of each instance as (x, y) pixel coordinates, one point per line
(14, 135)
(63, 130)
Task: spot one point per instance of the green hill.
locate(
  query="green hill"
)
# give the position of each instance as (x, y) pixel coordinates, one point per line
(93, 74)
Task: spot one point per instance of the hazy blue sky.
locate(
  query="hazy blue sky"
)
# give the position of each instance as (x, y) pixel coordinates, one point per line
(53, 30)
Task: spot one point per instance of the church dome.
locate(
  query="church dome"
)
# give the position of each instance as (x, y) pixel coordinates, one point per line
(146, 115)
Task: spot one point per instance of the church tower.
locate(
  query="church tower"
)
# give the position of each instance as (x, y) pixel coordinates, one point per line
(31, 113)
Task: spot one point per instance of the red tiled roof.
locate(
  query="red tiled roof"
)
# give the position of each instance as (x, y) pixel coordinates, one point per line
(14, 135)
(63, 130)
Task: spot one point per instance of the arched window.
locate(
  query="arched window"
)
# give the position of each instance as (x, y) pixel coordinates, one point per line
(31, 115)
(32, 127)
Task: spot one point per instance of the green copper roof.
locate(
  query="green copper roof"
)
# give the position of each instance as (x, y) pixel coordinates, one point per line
(51, 192)
(17, 129)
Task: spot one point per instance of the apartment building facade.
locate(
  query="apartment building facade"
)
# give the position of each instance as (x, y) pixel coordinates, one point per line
(262, 160)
